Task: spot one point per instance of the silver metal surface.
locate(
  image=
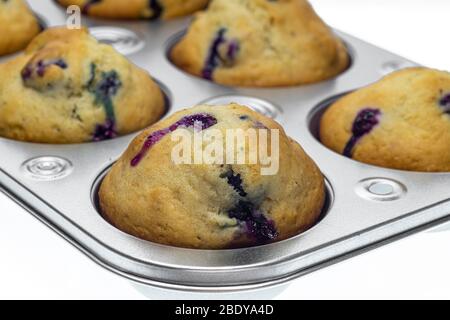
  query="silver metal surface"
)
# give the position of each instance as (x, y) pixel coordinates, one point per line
(353, 223)
(123, 40)
(380, 189)
(47, 168)
(262, 106)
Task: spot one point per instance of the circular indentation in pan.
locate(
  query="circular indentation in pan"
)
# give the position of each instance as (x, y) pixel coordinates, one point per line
(328, 204)
(392, 66)
(47, 168)
(259, 105)
(177, 37)
(380, 189)
(123, 40)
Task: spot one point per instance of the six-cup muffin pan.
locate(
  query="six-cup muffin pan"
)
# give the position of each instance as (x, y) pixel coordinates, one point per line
(367, 206)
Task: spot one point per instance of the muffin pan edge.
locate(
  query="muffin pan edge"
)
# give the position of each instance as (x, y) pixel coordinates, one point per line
(355, 223)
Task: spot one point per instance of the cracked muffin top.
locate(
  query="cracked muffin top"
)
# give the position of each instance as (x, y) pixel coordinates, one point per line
(69, 88)
(402, 122)
(19, 26)
(137, 9)
(211, 205)
(260, 43)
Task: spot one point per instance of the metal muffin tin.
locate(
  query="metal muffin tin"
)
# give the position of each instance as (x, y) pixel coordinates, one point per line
(368, 206)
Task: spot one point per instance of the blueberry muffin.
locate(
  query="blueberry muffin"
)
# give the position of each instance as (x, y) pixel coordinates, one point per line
(260, 43)
(211, 206)
(401, 122)
(137, 9)
(68, 88)
(19, 26)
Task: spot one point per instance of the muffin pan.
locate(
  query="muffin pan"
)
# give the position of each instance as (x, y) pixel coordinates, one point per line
(368, 206)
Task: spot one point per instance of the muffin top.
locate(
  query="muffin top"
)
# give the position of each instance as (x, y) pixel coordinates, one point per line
(401, 122)
(19, 26)
(260, 43)
(137, 9)
(68, 88)
(212, 205)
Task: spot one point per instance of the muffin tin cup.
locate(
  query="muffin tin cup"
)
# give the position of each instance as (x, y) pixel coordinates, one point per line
(368, 206)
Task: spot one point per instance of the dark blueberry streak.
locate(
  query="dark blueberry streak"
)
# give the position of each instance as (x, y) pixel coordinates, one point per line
(217, 56)
(88, 5)
(213, 57)
(105, 131)
(104, 90)
(201, 121)
(256, 224)
(93, 69)
(232, 50)
(364, 123)
(445, 103)
(235, 181)
(26, 73)
(157, 9)
(41, 67)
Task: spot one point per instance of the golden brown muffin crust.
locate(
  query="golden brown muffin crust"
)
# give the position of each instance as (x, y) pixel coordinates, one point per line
(190, 205)
(412, 127)
(18, 25)
(137, 9)
(68, 88)
(260, 43)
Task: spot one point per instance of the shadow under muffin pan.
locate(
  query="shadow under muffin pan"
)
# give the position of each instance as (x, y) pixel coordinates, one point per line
(368, 206)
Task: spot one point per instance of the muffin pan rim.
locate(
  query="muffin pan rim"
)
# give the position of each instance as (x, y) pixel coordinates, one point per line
(202, 287)
(353, 223)
(327, 206)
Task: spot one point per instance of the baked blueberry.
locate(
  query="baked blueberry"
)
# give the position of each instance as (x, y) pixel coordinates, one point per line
(40, 67)
(234, 180)
(105, 131)
(69, 88)
(105, 90)
(260, 43)
(444, 102)
(409, 128)
(210, 206)
(88, 5)
(201, 121)
(156, 8)
(223, 52)
(364, 123)
(257, 226)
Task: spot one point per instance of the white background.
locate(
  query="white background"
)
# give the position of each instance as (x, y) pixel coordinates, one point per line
(37, 263)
